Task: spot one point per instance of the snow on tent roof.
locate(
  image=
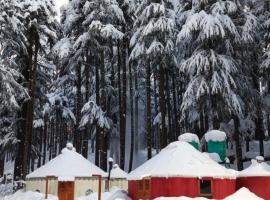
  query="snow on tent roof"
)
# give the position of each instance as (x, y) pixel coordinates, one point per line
(180, 159)
(68, 164)
(243, 194)
(117, 172)
(215, 136)
(189, 137)
(256, 169)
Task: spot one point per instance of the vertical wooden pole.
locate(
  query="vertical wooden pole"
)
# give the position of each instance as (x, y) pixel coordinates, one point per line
(46, 189)
(99, 185)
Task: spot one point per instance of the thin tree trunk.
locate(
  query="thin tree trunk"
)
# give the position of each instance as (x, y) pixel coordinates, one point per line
(136, 113)
(45, 139)
(162, 107)
(97, 138)
(148, 111)
(123, 109)
(170, 133)
(176, 129)
(77, 136)
(131, 96)
(238, 146)
(103, 149)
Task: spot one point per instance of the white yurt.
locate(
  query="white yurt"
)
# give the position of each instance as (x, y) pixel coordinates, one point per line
(68, 174)
(118, 178)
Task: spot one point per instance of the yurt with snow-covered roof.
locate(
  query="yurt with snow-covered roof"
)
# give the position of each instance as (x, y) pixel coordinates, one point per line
(256, 178)
(181, 170)
(118, 178)
(67, 176)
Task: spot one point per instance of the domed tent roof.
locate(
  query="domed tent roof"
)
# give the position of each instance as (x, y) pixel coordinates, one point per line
(68, 164)
(117, 172)
(180, 159)
(258, 168)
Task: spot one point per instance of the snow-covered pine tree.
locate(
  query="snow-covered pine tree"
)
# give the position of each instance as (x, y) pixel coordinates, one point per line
(153, 46)
(37, 28)
(89, 25)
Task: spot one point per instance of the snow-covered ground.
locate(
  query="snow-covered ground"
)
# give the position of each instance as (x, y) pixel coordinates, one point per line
(21, 195)
(242, 194)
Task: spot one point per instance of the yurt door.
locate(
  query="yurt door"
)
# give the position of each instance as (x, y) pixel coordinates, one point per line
(66, 190)
(144, 189)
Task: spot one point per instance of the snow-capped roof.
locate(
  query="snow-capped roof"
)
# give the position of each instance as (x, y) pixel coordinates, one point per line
(189, 137)
(117, 172)
(256, 169)
(243, 194)
(215, 136)
(68, 164)
(180, 159)
(213, 156)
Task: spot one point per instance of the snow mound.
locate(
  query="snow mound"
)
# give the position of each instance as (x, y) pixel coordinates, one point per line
(21, 195)
(180, 159)
(114, 195)
(243, 194)
(215, 136)
(117, 172)
(189, 137)
(257, 168)
(67, 165)
(214, 156)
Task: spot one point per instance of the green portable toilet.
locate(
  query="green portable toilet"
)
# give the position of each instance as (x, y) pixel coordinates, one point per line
(216, 143)
(191, 139)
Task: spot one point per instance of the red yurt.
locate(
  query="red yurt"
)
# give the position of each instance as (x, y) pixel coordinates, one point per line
(181, 170)
(256, 178)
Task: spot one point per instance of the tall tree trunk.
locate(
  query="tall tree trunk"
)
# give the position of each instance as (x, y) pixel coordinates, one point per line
(45, 132)
(175, 108)
(157, 138)
(136, 112)
(148, 111)
(238, 146)
(162, 108)
(123, 107)
(87, 93)
(28, 129)
(131, 96)
(98, 130)
(171, 134)
(77, 136)
(103, 149)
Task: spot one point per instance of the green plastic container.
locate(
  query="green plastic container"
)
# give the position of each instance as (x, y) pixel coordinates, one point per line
(195, 145)
(217, 147)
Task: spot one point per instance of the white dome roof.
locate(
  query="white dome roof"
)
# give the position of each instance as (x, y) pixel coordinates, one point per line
(68, 164)
(256, 169)
(180, 159)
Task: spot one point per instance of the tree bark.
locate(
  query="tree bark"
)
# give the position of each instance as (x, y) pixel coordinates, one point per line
(131, 96)
(148, 111)
(238, 146)
(103, 149)
(123, 108)
(136, 112)
(97, 138)
(162, 108)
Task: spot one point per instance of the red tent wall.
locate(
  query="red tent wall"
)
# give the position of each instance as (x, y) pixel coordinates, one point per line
(258, 185)
(132, 189)
(174, 187)
(223, 188)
